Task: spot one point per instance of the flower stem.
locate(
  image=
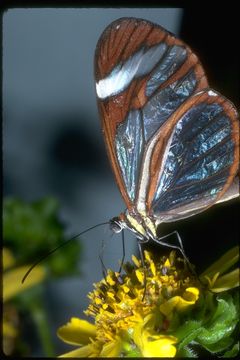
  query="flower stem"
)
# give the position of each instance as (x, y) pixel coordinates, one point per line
(40, 319)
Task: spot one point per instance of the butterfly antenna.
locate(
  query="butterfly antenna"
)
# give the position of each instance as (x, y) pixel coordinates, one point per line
(58, 247)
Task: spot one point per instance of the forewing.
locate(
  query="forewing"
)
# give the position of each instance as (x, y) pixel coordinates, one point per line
(197, 154)
(143, 74)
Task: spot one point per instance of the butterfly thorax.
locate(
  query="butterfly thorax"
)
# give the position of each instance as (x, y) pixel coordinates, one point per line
(142, 225)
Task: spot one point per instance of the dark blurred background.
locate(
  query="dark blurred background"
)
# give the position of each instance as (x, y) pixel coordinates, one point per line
(52, 141)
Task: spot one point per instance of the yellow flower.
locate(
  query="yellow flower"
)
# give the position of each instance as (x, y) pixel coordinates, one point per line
(153, 345)
(12, 280)
(8, 259)
(189, 297)
(134, 313)
(12, 286)
(10, 328)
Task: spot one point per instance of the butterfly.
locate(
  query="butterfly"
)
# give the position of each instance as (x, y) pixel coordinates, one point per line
(172, 141)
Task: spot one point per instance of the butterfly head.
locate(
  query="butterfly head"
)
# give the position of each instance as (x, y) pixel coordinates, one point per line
(140, 225)
(116, 225)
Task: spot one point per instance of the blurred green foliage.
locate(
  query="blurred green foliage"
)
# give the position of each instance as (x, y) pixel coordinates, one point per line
(31, 230)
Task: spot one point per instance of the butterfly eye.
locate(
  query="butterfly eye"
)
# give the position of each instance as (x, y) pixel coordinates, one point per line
(115, 225)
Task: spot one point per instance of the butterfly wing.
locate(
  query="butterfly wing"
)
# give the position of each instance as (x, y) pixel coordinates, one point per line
(232, 192)
(143, 74)
(193, 159)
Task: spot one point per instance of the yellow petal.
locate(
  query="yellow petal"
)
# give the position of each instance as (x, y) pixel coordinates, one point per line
(9, 329)
(167, 307)
(98, 301)
(136, 261)
(167, 263)
(140, 276)
(137, 335)
(77, 332)
(8, 259)
(179, 303)
(112, 349)
(153, 268)
(85, 351)
(147, 256)
(125, 288)
(163, 347)
(111, 295)
(110, 280)
(12, 280)
(139, 332)
(191, 294)
(152, 345)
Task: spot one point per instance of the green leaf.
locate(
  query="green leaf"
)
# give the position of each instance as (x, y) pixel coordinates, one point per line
(187, 329)
(187, 351)
(227, 281)
(130, 350)
(223, 263)
(219, 346)
(211, 332)
(185, 335)
(28, 227)
(221, 324)
(233, 352)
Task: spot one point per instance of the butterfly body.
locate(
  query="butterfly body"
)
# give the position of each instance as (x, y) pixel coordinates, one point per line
(139, 223)
(172, 141)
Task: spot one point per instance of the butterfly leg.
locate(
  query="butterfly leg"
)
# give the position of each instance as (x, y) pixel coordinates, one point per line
(104, 269)
(123, 252)
(140, 242)
(180, 248)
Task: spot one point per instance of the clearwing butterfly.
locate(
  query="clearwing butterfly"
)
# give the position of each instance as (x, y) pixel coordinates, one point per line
(172, 141)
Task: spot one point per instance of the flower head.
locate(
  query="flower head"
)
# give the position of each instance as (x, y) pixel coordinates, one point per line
(135, 313)
(159, 310)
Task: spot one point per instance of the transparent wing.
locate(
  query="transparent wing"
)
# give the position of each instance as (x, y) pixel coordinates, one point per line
(143, 74)
(200, 160)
